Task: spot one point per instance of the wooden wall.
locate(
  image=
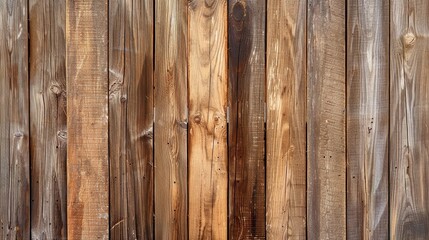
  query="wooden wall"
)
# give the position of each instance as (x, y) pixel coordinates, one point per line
(214, 119)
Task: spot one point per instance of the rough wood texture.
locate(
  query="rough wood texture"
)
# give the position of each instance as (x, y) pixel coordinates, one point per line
(409, 117)
(171, 197)
(207, 141)
(87, 120)
(246, 33)
(14, 121)
(48, 136)
(286, 133)
(326, 179)
(367, 119)
(131, 118)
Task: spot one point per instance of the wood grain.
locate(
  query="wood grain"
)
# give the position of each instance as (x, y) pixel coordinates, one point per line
(409, 117)
(48, 136)
(131, 118)
(286, 121)
(87, 120)
(326, 179)
(246, 33)
(14, 121)
(171, 124)
(367, 119)
(207, 139)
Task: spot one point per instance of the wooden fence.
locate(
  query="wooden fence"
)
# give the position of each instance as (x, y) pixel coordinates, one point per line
(214, 119)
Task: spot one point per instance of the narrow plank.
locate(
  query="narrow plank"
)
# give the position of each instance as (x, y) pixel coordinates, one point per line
(246, 39)
(131, 118)
(367, 119)
(171, 179)
(14, 121)
(409, 117)
(326, 179)
(87, 120)
(48, 136)
(207, 140)
(286, 122)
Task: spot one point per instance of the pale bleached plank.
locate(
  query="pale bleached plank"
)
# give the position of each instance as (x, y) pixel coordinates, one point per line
(207, 149)
(286, 121)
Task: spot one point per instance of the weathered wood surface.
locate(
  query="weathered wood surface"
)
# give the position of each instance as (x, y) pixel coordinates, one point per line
(14, 121)
(48, 136)
(286, 119)
(409, 117)
(367, 119)
(326, 159)
(207, 138)
(246, 33)
(87, 120)
(131, 118)
(170, 82)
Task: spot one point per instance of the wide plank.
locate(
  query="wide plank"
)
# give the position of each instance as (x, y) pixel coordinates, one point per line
(87, 120)
(48, 136)
(207, 137)
(286, 119)
(409, 117)
(171, 124)
(326, 109)
(14, 121)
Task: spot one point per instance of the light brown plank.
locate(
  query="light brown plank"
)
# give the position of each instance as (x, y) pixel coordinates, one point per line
(87, 120)
(48, 135)
(326, 179)
(286, 122)
(409, 117)
(246, 44)
(207, 149)
(131, 118)
(367, 119)
(170, 80)
(14, 121)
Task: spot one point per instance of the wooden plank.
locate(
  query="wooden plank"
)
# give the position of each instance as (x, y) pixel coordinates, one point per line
(14, 121)
(286, 123)
(409, 117)
(207, 139)
(131, 118)
(171, 179)
(87, 120)
(326, 179)
(367, 119)
(48, 136)
(246, 33)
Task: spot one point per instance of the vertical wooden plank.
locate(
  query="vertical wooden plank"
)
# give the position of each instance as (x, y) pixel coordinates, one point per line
(14, 121)
(170, 80)
(87, 120)
(246, 34)
(48, 136)
(409, 117)
(207, 141)
(326, 180)
(286, 123)
(367, 119)
(131, 118)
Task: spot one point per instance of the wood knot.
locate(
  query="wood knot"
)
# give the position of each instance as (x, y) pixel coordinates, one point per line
(18, 134)
(62, 135)
(124, 98)
(409, 39)
(238, 11)
(55, 88)
(197, 119)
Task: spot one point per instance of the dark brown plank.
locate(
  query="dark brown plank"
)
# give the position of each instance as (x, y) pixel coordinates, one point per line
(131, 118)
(14, 121)
(87, 120)
(409, 117)
(286, 122)
(367, 119)
(170, 80)
(207, 139)
(246, 44)
(326, 179)
(48, 135)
